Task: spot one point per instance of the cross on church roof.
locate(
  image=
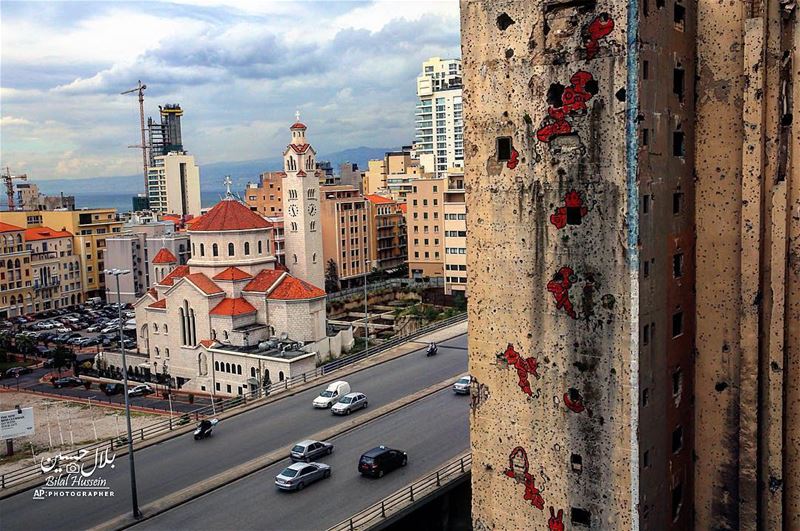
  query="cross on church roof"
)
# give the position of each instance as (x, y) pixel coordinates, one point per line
(297, 115)
(228, 182)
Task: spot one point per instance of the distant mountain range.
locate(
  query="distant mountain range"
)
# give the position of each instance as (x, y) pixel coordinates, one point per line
(211, 175)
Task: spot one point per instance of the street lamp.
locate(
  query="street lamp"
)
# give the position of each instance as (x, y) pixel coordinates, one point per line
(366, 272)
(134, 499)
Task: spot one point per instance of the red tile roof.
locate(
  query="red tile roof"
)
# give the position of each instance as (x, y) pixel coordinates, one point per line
(300, 148)
(292, 288)
(171, 217)
(159, 304)
(379, 199)
(232, 274)
(301, 173)
(229, 214)
(164, 257)
(207, 342)
(45, 233)
(153, 293)
(232, 307)
(298, 125)
(205, 284)
(178, 272)
(5, 227)
(191, 222)
(403, 208)
(264, 280)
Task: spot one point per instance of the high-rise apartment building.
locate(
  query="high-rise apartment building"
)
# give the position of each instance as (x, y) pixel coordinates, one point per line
(90, 229)
(350, 175)
(394, 175)
(631, 174)
(265, 197)
(387, 228)
(425, 225)
(345, 233)
(439, 140)
(173, 183)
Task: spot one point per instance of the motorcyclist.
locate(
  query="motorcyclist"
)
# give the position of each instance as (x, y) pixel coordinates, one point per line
(205, 425)
(432, 348)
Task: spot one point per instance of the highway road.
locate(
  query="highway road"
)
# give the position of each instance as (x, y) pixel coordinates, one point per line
(182, 462)
(432, 431)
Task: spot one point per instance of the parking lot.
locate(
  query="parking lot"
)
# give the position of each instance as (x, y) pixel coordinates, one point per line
(85, 330)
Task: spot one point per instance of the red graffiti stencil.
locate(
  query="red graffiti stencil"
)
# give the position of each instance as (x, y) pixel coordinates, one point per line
(559, 287)
(574, 401)
(514, 160)
(601, 26)
(525, 367)
(555, 522)
(571, 213)
(518, 470)
(565, 101)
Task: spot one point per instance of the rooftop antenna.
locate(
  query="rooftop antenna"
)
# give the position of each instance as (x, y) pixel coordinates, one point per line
(140, 90)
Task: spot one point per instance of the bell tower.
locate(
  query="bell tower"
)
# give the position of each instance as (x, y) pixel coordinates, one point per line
(302, 230)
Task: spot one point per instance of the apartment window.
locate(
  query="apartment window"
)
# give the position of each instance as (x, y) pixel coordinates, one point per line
(677, 202)
(577, 463)
(435, 189)
(677, 501)
(503, 148)
(679, 17)
(645, 204)
(677, 382)
(677, 265)
(424, 202)
(678, 75)
(645, 397)
(677, 324)
(414, 202)
(646, 459)
(677, 440)
(580, 517)
(678, 149)
(645, 137)
(645, 64)
(646, 335)
(416, 254)
(646, 268)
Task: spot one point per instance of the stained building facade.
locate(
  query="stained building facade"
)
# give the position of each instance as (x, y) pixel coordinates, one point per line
(633, 346)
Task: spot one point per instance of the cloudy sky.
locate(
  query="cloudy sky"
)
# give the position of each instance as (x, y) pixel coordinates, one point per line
(238, 68)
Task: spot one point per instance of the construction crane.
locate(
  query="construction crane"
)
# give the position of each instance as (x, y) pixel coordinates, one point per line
(9, 180)
(140, 90)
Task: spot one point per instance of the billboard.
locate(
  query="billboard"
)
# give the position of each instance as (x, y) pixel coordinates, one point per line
(16, 423)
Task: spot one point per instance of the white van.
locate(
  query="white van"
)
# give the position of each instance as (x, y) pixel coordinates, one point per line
(331, 394)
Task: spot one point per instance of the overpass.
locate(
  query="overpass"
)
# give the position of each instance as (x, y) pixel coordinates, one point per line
(180, 464)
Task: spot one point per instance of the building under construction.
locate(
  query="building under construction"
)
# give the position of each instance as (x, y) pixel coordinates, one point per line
(165, 136)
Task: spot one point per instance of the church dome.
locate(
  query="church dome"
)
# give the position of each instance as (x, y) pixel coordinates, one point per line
(229, 214)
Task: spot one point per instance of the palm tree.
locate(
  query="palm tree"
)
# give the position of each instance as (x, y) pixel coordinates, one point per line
(24, 345)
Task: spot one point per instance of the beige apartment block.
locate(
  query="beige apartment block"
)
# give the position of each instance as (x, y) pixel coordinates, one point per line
(425, 223)
(455, 241)
(173, 184)
(90, 229)
(345, 233)
(394, 175)
(29, 198)
(266, 196)
(55, 269)
(388, 237)
(16, 287)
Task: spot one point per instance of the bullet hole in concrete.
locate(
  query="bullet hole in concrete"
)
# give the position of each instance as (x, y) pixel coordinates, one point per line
(774, 484)
(660, 3)
(504, 21)
(639, 118)
(488, 466)
(726, 347)
(621, 94)
(504, 148)
(721, 386)
(505, 114)
(527, 119)
(576, 461)
(774, 366)
(786, 119)
(509, 53)
(554, 94)
(581, 366)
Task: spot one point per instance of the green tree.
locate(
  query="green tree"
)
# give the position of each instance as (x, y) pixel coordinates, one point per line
(331, 276)
(24, 345)
(61, 357)
(6, 339)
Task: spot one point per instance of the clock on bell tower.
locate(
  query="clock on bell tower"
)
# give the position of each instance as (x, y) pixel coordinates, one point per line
(301, 218)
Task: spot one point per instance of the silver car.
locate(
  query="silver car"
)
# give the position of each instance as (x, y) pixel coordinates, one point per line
(349, 403)
(298, 475)
(461, 387)
(308, 450)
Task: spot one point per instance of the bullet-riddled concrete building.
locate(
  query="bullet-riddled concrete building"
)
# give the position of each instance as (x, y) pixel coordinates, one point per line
(634, 281)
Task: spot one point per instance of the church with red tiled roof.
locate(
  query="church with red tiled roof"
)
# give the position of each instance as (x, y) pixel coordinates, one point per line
(234, 295)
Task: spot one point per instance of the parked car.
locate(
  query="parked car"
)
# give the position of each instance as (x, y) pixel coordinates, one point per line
(349, 403)
(67, 381)
(13, 371)
(331, 394)
(112, 388)
(94, 328)
(461, 387)
(298, 475)
(379, 460)
(309, 450)
(140, 390)
(49, 362)
(63, 330)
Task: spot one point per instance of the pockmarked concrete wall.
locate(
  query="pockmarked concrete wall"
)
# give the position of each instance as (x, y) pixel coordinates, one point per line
(553, 309)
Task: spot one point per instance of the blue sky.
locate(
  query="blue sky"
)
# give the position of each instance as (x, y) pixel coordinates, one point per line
(239, 69)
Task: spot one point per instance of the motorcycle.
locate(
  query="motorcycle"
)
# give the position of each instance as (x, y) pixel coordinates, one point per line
(204, 429)
(432, 350)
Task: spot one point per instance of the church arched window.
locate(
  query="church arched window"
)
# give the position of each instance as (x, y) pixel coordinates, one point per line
(260, 247)
(314, 258)
(313, 226)
(295, 258)
(247, 248)
(231, 250)
(294, 226)
(215, 249)
(311, 193)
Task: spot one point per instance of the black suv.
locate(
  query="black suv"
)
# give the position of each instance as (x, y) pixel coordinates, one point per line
(380, 460)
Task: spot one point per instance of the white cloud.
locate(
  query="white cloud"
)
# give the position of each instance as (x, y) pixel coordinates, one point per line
(9, 121)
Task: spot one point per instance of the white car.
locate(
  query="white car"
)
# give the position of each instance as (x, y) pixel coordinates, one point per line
(140, 390)
(461, 387)
(349, 403)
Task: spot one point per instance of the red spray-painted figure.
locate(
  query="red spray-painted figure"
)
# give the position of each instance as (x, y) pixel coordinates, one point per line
(525, 367)
(601, 26)
(559, 287)
(572, 99)
(518, 470)
(572, 213)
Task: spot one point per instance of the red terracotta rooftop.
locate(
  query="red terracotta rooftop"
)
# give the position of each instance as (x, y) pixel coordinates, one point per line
(232, 274)
(45, 233)
(298, 125)
(205, 284)
(292, 288)
(164, 257)
(229, 214)
(5, 227)
(232, 307)
(299, 148)
(379, 199)
(207, 342)
(178, 272)
(263, 280)
(159, 304)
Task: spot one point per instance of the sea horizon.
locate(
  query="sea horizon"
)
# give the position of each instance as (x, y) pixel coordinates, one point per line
(123, 202)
